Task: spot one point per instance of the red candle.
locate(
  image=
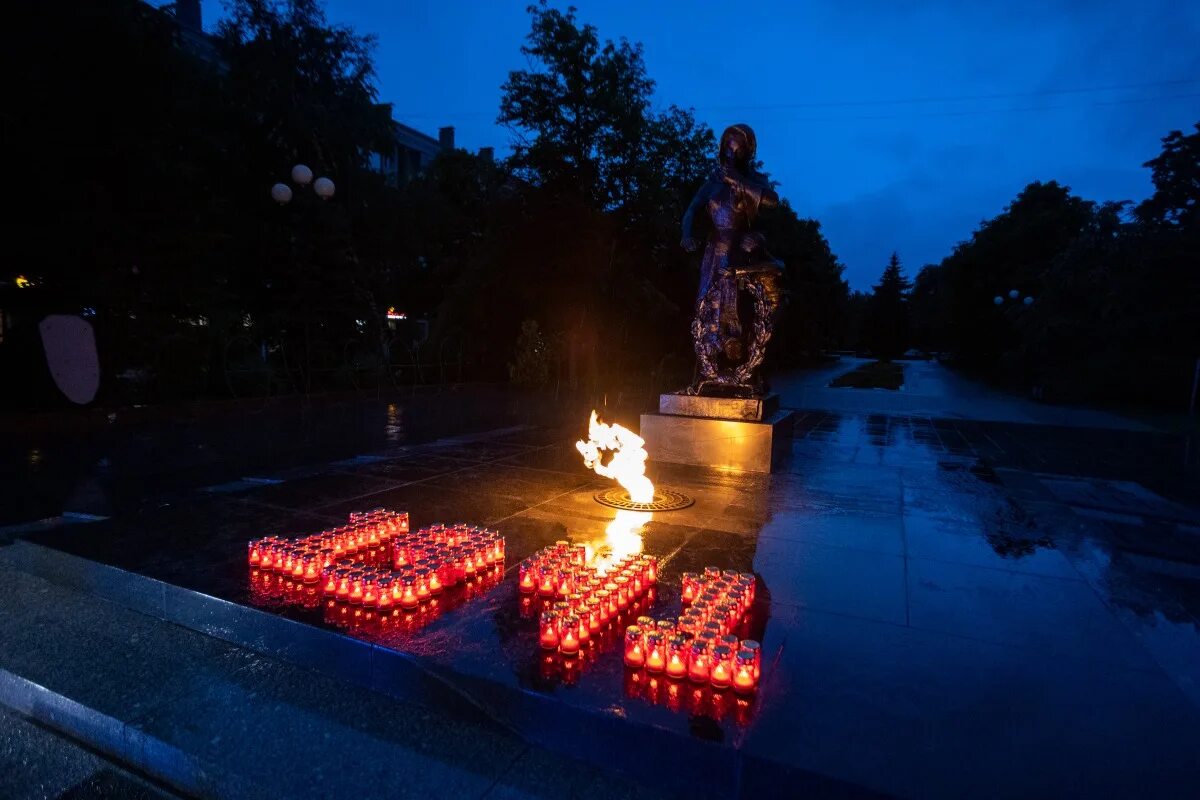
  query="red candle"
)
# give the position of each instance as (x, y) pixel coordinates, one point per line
(422, 583)
(676, 657)
(311, 571)
(435, 577)
(635, 648)
(755, 648)
(650, 569)
(370, 590)
(343, 584)
(548, 631)
(592, 604)
(565, 583)
(721, 671)
(254, 555)
(656, 652)
(546, 582)
(330, 583)
(698, 662)
(744, 679)
(408, 592)
(568, 635)
(622, 592)
(356, 587)
(384, 600)
(602, 598)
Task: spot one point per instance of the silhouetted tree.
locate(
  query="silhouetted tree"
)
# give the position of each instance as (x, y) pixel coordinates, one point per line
(887, 324)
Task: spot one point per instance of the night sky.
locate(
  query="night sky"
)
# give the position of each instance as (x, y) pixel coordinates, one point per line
(899, 125)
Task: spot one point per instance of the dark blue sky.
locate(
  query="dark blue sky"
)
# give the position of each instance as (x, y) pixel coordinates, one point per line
(837, 92)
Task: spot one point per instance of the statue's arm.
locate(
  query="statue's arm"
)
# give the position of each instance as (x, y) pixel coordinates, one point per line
(689, 217)
(762, 194)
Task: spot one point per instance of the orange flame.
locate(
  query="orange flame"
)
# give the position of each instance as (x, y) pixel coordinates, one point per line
(628, 463)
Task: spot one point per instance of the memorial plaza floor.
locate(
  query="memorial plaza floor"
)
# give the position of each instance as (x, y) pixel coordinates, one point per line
(998, 606)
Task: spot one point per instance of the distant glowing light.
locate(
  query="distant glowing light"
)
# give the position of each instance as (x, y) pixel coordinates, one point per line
(23, 282)
(392, 313)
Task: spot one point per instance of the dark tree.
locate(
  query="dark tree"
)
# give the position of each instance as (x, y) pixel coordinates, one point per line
(887, 324)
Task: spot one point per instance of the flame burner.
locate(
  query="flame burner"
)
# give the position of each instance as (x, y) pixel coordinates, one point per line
(664, 500)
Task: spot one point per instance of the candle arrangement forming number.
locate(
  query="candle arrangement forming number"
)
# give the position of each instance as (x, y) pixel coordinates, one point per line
(374, 568)
(701, 645)
(582, 601)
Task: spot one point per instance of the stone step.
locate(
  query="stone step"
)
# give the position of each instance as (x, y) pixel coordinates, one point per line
(212, 719)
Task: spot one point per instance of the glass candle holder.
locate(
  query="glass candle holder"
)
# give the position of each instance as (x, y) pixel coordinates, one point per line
(356, 587)
(666, 627)
(408, 591)
(548, 631)
(546, 581)
(677, 657)
(755, 648)
(592, 610)
(622, 591)
(650, 569)
(656, 652)
(254, 553)
(646, 623)
(564, 582)
(731, 641)
(343, 583)
(370, 588)
(384, 601)
(690, 588)
(699, 658)
(606, 605)
(721, 672)
(748, 581)
(568, 635)
(435, 577)
(422, 584)
(635, 647)
(527, 575)
(745, 678)
(712, 573)
(711, 629)
(585, 631)
(329, 582)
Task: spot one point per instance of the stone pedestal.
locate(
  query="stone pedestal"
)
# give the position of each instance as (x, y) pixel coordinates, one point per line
(747, 435)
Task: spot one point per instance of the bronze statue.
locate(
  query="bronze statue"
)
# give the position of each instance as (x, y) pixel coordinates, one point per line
(735, 258)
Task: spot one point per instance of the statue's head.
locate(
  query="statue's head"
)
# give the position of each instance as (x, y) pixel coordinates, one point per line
(738, 145)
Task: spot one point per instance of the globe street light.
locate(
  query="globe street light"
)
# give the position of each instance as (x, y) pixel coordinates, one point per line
(303, 176)
(324, 188)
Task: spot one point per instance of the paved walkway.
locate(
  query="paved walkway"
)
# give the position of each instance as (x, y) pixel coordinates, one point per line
(931, 389)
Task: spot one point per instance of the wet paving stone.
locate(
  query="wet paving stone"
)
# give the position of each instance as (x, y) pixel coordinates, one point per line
(932, 613)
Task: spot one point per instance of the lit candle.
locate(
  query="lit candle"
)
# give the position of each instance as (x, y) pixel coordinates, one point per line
(622, 591)
(298, 558)
(698, 662)
(748, 581)
(585, 631)
(568, 635)
(721, 672)
(384, 589)
(546, 582)
(330, 583)
(650, 569)
(712, 573)
(312, 569)
(592, 604)
(744, 679)
(343, 583)
(646, 623)
(565, 583)
(548, 631)
(755, 648)
(356, 587)
(635, 648)
(370, 590)
(254, 554)
(602, 598)
(408, 592)
(435, 577)
(676, 657)
(656, 652)
(422, 583)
